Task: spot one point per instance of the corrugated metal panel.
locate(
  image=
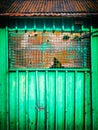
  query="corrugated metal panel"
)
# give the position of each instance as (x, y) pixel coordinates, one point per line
(94, 50)
(3, 80)
(50, 99)
(48, 7)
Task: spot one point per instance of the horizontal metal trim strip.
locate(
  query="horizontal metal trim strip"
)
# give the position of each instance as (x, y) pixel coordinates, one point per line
(50, 14)
(65, 69)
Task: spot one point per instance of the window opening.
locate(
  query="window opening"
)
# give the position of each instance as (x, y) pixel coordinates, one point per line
(36, 49)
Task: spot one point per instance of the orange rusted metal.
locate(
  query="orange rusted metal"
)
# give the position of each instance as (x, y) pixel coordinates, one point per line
(49, 8)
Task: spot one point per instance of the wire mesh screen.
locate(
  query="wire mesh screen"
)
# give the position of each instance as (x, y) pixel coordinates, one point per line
(48, 50)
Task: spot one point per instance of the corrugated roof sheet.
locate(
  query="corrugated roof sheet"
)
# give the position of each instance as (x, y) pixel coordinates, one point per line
(48, 7)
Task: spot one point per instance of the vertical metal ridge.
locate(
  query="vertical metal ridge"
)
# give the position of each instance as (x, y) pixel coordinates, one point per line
(91, 98)
(92, 105)
(27, 105)
(75, 79)
(34, 24)
(85, 87)
(53, 24)
(7, 82)
(85, 100)
(8, 104)
(17, 99)
(65, 106)
(46, 102)
(55, 125)
(44, 28)
(91, 79)
(37, 101)
(62, 24)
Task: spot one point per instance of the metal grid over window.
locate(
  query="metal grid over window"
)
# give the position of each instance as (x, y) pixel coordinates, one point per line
(48, 49)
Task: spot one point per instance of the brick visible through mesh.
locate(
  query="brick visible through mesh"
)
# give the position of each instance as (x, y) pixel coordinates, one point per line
(48, 49)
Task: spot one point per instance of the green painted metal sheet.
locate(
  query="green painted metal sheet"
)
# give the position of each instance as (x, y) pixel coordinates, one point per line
(70, 100)
(79, 101)
(94, 56)
(49, 100)
(3, 80)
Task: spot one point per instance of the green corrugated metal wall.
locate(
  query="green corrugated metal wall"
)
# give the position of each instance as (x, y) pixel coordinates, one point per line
(94, 50)
(3, 79)
(48, 99)
(52, 99)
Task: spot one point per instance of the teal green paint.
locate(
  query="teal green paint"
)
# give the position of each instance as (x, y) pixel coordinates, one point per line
(50, 101)
(72, 28)
(45, 98)
(52, 70)
(62, 24)
(70, 100)
(17, 99)
(22, 100)
(48, 24)
(41, 101)
(94, 67)
(60, 100)
(85, 29)
(87, 99)
(27, 101)
(32, 89)
(25, 27)
(79, 101)
(12, 98)
(34, 24)
(3, 79)
(54, 24)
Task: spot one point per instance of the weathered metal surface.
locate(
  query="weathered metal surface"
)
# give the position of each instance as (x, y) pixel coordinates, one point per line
(3, 80)
(50, 100)
(49, 8)
(94, 57)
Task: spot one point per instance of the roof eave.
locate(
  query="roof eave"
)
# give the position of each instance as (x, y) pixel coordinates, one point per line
(80, 14)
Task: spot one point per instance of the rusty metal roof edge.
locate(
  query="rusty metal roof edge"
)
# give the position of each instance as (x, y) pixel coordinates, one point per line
(67, 14)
